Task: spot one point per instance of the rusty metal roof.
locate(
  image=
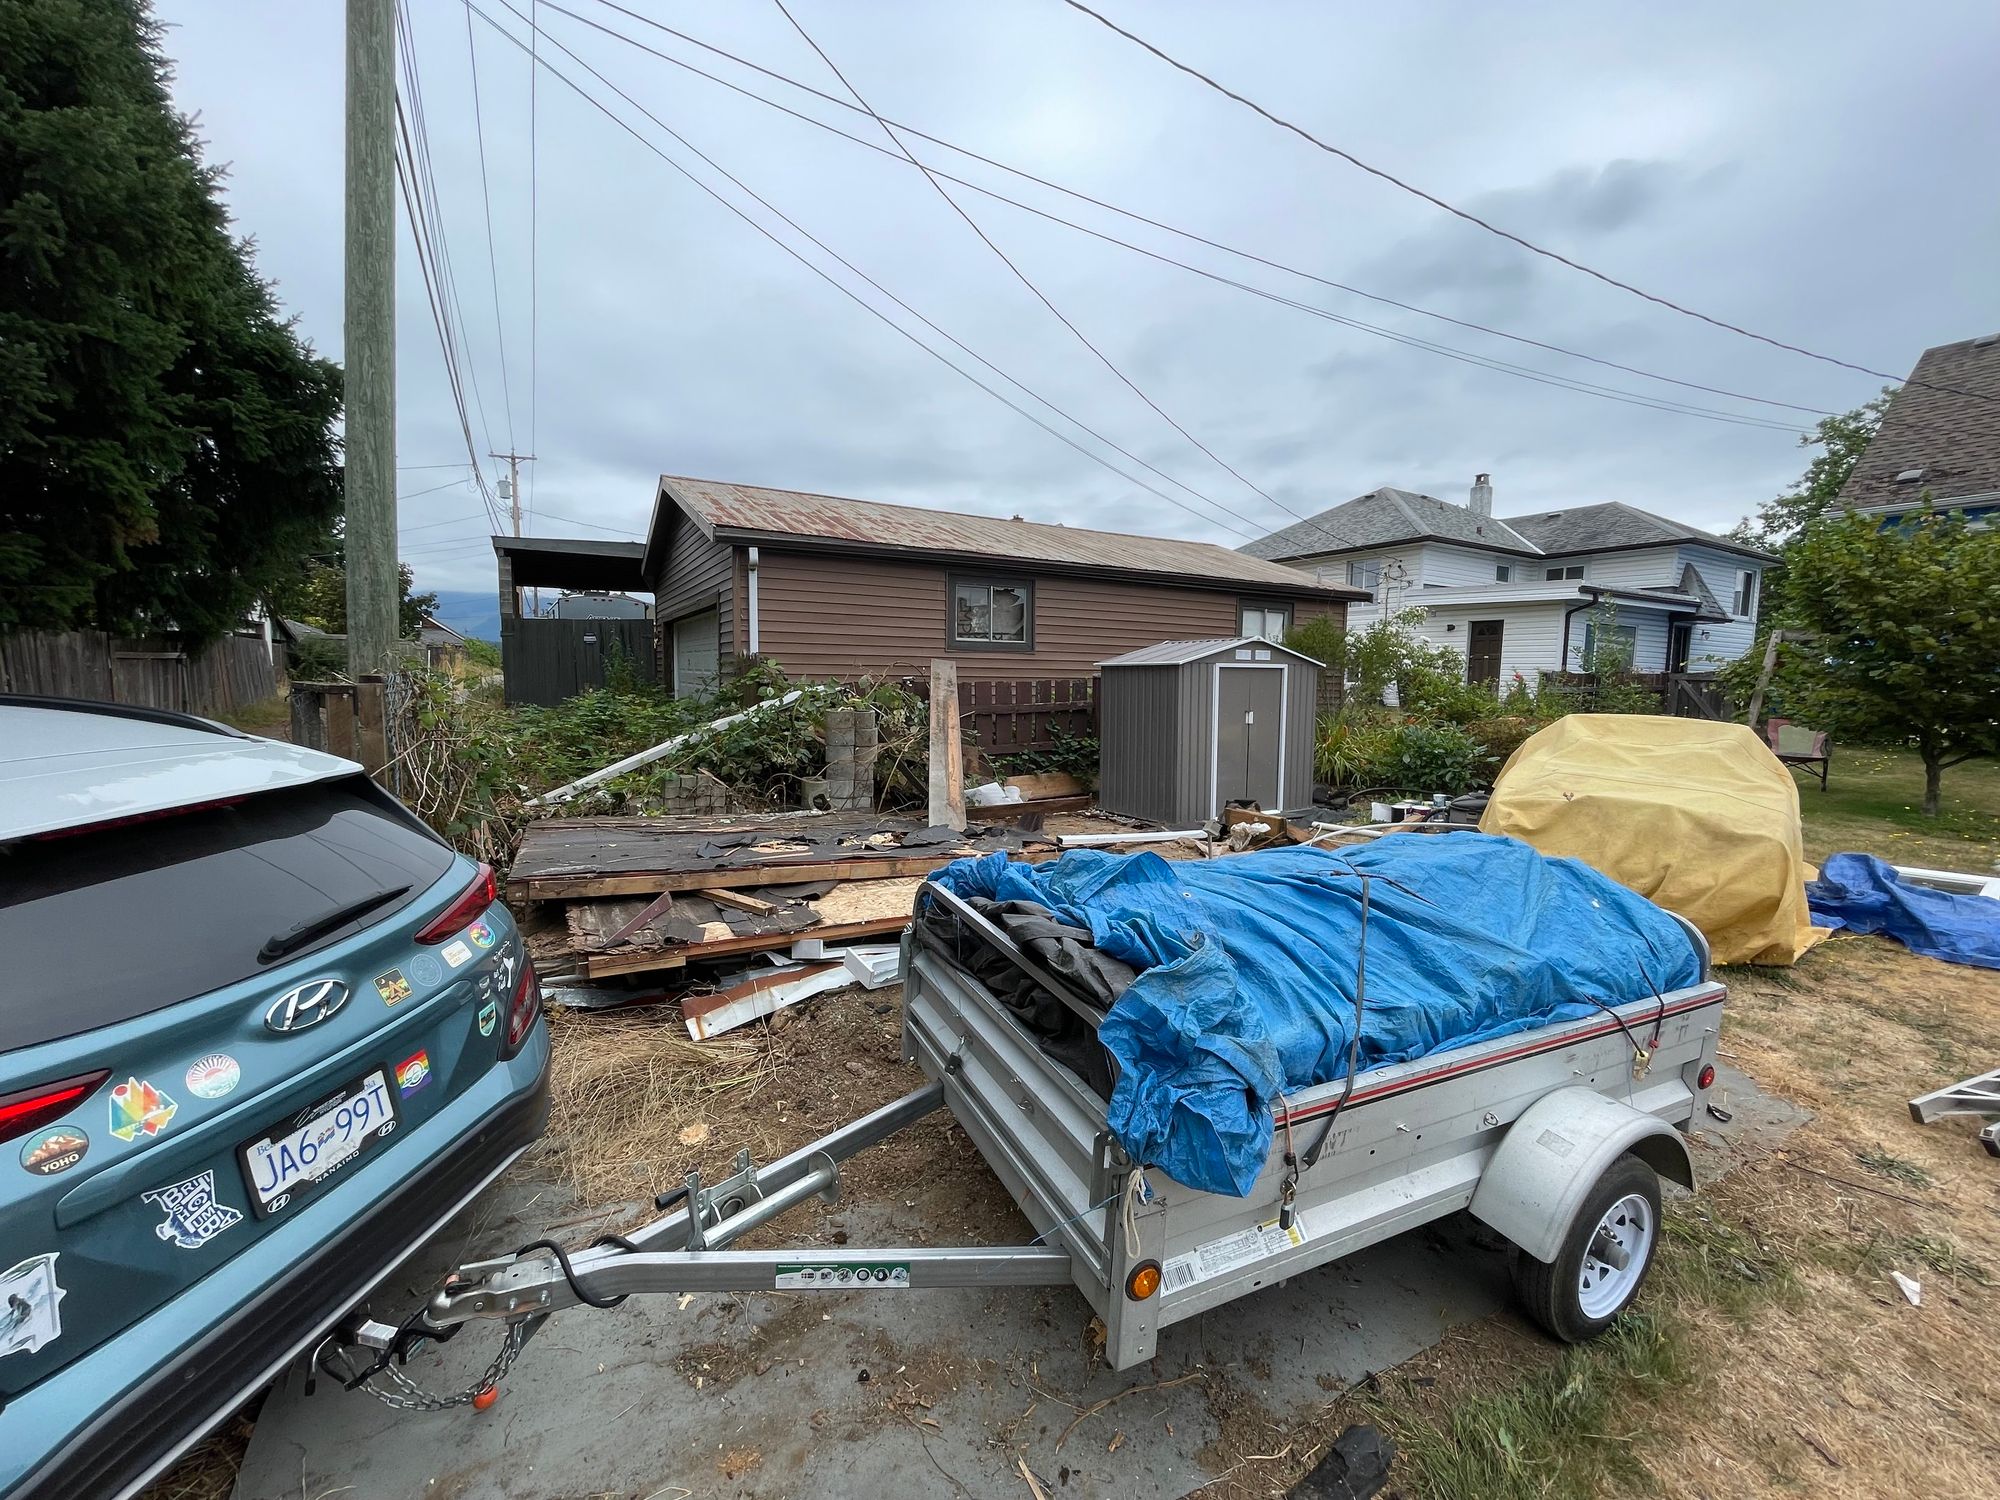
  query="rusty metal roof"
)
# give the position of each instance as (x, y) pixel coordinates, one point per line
(737, 512)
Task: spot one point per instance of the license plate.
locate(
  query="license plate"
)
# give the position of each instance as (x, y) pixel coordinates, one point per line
(302, 1151)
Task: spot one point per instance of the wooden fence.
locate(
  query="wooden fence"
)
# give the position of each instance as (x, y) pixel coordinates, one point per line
(1686, 695)
(1007, 717)
(229, 676)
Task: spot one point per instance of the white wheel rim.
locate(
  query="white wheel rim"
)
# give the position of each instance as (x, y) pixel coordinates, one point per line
(1602, 1288)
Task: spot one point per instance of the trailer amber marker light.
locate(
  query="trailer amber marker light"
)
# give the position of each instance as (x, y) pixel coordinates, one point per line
(1705, 1077)
(1144, 1280)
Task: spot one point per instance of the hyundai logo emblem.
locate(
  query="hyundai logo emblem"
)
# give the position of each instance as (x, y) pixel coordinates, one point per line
(312, 1002)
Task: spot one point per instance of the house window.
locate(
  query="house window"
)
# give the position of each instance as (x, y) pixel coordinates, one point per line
(1745, 605)
(1566, 570)
(1503, 572)
(1626, 638)
(1270, 621)
(992, 614)
(1364, 575)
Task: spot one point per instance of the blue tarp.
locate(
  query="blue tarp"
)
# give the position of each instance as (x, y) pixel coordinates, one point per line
(1248, 970)
(1862, 894)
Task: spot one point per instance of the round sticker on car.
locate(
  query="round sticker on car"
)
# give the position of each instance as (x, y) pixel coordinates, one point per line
(54, 1151)
(213, 1076)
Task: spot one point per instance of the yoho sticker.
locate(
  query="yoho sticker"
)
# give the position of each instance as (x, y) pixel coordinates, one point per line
(54, 1151)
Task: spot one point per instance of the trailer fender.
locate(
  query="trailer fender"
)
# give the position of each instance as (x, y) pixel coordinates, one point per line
(1555, 1151)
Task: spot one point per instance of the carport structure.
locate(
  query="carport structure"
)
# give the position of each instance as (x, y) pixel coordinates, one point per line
(548, 660)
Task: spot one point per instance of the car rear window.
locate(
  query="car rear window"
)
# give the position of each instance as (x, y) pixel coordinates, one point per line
(98, 927)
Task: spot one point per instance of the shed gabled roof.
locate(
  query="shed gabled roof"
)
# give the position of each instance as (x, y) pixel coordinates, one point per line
(1612, 525)
(1950, 441)
(751, 514)
(1388, 515)
(1179, 653)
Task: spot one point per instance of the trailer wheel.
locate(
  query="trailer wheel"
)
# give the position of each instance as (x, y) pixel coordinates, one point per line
(1604, 1258)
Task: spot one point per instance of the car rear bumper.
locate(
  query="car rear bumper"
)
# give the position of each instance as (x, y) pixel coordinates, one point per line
(111, 1421)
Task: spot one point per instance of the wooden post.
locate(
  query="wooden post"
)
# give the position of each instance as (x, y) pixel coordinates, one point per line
(372, 725)
(340, 722)
(947, 782)
(1764, 677)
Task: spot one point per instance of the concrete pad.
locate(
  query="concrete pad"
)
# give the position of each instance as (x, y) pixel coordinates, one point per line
(887, 1393)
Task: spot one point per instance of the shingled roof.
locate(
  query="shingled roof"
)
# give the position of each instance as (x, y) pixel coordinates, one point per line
(1614, 525)
(1384, 516)
(751, 514)
(1948, 442)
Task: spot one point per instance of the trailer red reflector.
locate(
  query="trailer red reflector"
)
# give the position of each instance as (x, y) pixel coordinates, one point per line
(1705, 1077)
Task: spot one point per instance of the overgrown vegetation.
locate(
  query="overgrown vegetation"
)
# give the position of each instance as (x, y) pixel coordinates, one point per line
(1412, 723)
(1069, 754)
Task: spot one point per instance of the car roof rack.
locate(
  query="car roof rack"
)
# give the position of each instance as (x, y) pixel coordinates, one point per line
(167, 716)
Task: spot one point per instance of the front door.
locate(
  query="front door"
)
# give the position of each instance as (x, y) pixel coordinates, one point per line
(1482, 651)
(1680, 641)
(1250, 703)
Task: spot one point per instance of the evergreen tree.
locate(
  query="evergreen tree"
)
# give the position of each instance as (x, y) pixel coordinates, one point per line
(167, 446)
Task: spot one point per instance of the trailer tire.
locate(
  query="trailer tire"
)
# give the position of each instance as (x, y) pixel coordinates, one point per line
(1578, 1295)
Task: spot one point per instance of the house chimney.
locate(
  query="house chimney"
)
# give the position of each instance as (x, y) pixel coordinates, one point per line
(1481, 501)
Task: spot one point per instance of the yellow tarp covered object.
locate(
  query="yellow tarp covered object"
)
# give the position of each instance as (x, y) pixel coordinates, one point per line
(1698, 817)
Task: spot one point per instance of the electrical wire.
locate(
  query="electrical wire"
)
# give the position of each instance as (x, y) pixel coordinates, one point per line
(1026, 281)
(1104, 204)
(826, 276)
(1499, 366)
(534, 251)
(492, 259)
(1506, 234)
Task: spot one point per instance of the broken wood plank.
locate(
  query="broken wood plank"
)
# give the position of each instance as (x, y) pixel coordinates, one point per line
(659, 906)
(598, 966)
(740, 1004)
(775, 872)
(736, 899)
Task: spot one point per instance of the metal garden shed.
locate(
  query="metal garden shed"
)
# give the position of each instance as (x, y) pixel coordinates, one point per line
(1187, 726)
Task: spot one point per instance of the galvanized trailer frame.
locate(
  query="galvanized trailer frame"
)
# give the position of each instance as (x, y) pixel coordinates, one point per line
(1519, 1130)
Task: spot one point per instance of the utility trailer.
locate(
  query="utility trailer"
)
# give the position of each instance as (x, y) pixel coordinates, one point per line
(1556, 1138)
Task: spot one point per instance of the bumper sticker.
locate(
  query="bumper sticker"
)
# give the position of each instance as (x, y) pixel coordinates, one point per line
(887, 1276)
(489, 1017)
(213, 1076)
(455, 954)
(1230, 1253)
(426, 970)
(137, 1108)
(194, 1214)
(392, 987)
(54, 1151)
(481, 935)
(413, 1073)
(28, 1301)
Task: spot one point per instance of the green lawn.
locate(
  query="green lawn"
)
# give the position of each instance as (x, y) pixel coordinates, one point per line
(1873, 805)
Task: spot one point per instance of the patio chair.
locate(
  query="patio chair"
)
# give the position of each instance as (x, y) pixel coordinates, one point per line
(1796, 745)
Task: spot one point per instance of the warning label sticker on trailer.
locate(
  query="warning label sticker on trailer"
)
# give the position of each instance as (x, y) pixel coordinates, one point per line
(1231, 1252)
(876, 1276)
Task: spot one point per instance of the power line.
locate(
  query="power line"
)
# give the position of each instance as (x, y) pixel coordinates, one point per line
(534, 243)
(1491, 228)
(486, 199)
(853, 296)
(448, 521)
(1492, 363)
(1022, 276)
(1096, 202)
(448, 485)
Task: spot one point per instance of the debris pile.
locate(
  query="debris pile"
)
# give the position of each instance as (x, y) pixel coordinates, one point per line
(740, 915)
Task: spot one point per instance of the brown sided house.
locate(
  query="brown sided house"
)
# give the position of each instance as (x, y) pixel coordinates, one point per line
(834, 588)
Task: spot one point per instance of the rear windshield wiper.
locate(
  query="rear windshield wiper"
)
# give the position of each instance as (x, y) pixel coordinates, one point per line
(294, 938)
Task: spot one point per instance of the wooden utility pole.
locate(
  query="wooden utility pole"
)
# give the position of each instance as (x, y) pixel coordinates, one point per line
(374, 588)
(514, 462)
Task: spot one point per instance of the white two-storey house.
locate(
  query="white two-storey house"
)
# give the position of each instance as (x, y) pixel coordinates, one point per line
(1525, 594)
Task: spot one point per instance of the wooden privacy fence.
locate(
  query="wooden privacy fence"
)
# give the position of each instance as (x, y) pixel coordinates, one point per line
(1006, 717)
(1685, 695)
(229, 675)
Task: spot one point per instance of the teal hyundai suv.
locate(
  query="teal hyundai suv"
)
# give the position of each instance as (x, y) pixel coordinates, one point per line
(262, 1033)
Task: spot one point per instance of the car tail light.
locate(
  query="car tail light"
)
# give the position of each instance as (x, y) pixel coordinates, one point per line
(1705, 1077)
(78, 830)
(473, 900)
(22, 1112)
(526, 1005)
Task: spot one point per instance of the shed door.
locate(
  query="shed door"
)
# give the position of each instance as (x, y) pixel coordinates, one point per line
(1482, 653)
(1250, 707)
(696, 657)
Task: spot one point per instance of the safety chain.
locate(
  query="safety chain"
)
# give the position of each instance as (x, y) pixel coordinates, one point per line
(412, 1397)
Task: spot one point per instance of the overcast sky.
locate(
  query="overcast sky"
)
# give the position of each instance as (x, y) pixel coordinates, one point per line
(1823, 173)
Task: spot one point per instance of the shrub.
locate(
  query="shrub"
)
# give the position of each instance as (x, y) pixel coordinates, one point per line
(1321, 639)
(1433, 758)
(1071, 754)
(1352, 748)
(1498, 738)
(319, 658)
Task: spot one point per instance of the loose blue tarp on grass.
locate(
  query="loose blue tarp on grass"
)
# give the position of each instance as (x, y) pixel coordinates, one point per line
(1862, 894)
(1248, 970)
